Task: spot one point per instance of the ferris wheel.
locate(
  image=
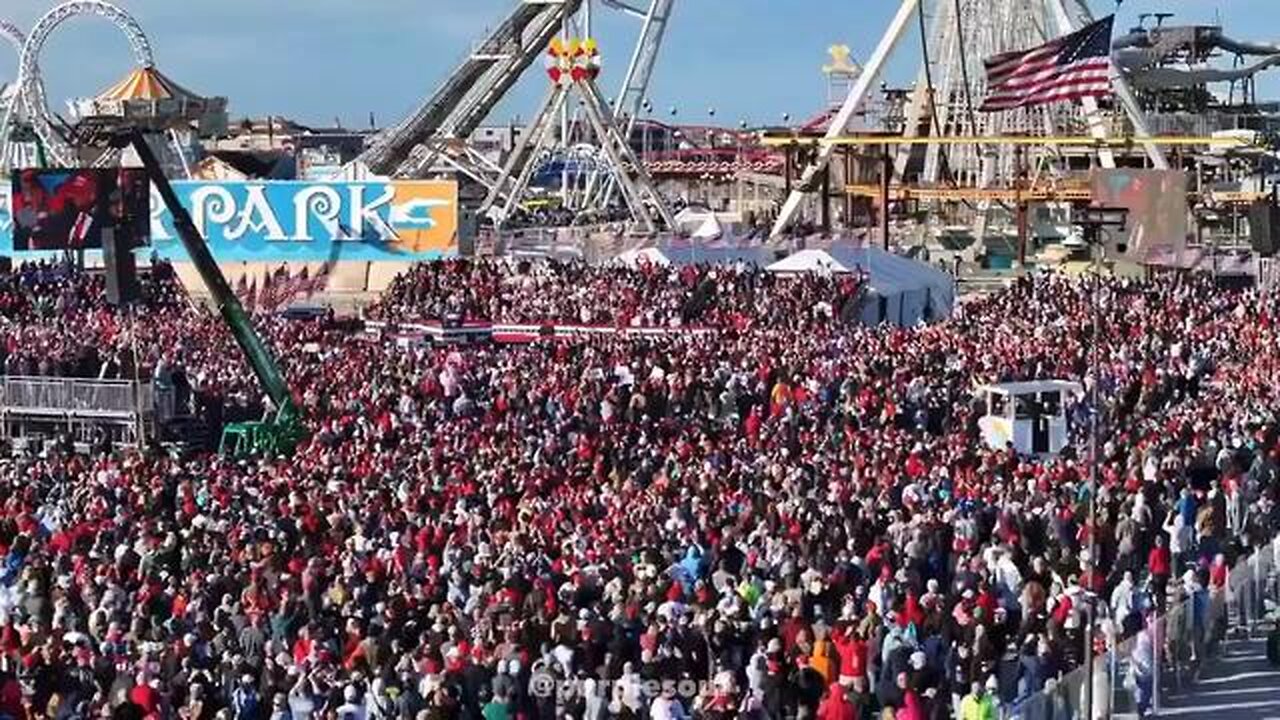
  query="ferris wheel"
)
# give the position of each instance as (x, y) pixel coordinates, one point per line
(31, 95)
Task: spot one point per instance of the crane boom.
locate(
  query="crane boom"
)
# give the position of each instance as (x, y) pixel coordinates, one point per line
(285, 430)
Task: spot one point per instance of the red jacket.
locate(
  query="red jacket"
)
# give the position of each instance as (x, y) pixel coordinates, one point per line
(835, 706)
(853, 653)
(1218, 575)
(912, 708)
(11, 699)
(1159, 562)
(145, 697)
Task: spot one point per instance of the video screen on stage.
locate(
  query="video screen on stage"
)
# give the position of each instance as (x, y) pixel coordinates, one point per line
(71, 209)
(1157, 205)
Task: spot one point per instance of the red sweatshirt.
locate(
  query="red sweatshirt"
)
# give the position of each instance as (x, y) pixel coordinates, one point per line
(853, 653)
(1159, 563)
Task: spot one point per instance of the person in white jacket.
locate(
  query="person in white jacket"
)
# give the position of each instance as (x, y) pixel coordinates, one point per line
(1124, 600)
(1179, 538)
(627, 692)
(353, 707)
(668, 707)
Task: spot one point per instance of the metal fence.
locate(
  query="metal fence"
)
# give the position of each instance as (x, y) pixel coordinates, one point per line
(1133, 673)
(1268, 273)
(63, 396)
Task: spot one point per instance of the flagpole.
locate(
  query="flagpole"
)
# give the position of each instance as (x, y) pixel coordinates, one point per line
(1122, 91)
(1093, 220)
(1096, 366)
(137, 379)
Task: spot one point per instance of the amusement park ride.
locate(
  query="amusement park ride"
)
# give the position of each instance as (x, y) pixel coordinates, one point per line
(16, 146)
(940, 148)
(434, 137)
(952, 80)
(573, 68)
(950, 150)
(147, 99)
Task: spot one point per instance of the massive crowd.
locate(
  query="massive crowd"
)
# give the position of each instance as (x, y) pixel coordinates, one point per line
(791, 516)
(56, 322)
(578, 293)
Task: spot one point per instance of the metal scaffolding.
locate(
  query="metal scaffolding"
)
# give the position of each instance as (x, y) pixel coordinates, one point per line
(632, 179)
(956, 37)
(436, 135)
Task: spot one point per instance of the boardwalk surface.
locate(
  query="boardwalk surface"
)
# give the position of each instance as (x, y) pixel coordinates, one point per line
(1239, 685)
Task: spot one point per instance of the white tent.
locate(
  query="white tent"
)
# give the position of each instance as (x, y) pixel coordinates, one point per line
(710, 229)
(691, 219)
(809, 261)
(900, 290)
(638, 257)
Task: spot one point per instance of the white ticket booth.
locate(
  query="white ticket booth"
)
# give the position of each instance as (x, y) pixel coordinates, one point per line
(1032, 416)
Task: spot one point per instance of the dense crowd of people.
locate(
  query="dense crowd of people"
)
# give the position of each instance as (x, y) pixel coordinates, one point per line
(56, 321)
(578, 293)
(792, 516)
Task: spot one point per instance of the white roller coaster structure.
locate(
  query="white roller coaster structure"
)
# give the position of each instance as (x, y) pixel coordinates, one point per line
(10, 105)
(31, 97)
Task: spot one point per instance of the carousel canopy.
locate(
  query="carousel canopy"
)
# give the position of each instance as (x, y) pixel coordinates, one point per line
(146, 83)
(149, 98)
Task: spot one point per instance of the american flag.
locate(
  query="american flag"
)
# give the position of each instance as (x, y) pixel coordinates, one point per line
(1071, 67)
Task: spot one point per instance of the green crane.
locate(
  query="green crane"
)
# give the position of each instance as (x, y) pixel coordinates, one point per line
(283, 430)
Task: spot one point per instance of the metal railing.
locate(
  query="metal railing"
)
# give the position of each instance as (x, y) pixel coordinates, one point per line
(74, 396)
(1203, 123)
(1132, 674)
(1268, 273)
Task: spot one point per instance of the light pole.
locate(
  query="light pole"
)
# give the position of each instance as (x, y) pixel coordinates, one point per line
(1095, 220)
(647, 107)
(675, 133)
(740, 168)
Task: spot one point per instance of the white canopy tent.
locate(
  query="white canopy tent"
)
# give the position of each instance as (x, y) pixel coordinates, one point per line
(900, 290)
(809, 261)
(710, 229)
(691, 219)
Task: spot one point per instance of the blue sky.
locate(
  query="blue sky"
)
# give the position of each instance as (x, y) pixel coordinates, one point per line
(317, 60)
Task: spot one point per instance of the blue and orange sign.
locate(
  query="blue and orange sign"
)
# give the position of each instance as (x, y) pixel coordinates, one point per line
(303, 221)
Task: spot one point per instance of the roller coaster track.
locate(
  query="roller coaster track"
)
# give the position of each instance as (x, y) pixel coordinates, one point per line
(470, 93)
